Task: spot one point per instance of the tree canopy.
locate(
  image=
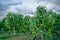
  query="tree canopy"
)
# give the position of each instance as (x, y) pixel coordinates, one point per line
(45, 23)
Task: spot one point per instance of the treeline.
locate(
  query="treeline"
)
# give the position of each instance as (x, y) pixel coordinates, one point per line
(45, 23)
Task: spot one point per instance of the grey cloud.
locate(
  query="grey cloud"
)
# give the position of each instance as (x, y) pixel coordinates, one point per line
(57, 2)
(27, 6)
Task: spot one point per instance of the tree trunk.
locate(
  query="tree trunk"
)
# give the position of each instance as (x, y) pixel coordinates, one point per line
(42, 35)
(14, 31)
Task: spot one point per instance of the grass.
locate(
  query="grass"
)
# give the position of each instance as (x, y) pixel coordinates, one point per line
(19, 36)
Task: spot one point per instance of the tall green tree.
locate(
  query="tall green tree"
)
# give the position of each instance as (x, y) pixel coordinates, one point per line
(13, 22)
(56, 31)
(44, 22)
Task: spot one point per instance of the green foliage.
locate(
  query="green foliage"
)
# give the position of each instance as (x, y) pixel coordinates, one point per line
(26, 23)
(57, 24)
(43, 23)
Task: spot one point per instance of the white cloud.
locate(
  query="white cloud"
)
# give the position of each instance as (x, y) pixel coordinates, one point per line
(30, 5)
(12, 9)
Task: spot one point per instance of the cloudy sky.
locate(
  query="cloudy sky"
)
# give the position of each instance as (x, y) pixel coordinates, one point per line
(27, 7)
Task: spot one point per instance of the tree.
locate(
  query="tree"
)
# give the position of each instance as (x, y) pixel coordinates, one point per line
(15, 21)
(26, 24)
(56, 31)
(12, 22)
(44, 22)
(2, 25)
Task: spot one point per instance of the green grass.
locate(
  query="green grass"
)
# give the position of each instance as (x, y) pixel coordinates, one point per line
(20, 36)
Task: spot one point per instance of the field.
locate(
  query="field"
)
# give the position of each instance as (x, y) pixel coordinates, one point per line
(19, 36)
